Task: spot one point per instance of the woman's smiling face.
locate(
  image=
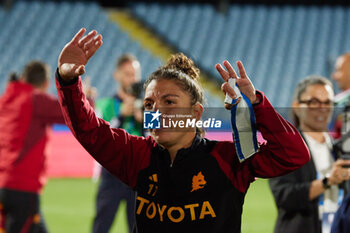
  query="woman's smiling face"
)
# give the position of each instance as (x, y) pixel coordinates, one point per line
(315, 107)
(168, 97)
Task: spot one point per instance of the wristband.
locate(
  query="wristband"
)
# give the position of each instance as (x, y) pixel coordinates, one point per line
(325, 183)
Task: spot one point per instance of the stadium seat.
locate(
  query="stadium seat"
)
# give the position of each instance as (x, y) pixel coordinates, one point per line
(279, 45)
(39, 30)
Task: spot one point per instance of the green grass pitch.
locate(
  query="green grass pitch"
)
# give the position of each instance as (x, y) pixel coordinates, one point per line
(68, 206)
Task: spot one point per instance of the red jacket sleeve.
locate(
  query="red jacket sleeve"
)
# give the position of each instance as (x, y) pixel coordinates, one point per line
(284, 151)
(120, 153)
(47, 108)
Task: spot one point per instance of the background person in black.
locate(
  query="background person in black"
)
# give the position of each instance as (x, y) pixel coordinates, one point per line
(297, 193)
(184, 183)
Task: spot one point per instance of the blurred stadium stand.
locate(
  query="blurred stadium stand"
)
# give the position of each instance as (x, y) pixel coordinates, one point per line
(39, 30)
(218, 3)
(278, 44)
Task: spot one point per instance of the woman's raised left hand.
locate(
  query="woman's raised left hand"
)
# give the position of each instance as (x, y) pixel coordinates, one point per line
(243, 82)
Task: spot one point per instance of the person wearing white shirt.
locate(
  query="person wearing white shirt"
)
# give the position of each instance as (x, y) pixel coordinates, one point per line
(308, 197)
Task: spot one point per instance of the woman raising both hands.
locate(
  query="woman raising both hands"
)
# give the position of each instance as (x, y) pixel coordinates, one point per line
(184, 182)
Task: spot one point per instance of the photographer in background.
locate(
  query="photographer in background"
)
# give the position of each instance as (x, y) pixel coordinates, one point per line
(308, 197)
(124, 110)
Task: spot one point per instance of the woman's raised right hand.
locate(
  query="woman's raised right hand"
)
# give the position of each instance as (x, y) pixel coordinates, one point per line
(76, 53)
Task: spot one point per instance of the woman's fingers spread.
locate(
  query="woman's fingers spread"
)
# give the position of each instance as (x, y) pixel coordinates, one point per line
(223, 73)
(241, 70)
(227, 89)
(87, 38)
(91, 51)
(77, 36)
(230, 69)
(92, 42)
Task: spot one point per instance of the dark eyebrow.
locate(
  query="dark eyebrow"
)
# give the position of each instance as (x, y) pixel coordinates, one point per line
(169, 95)
(163, 97)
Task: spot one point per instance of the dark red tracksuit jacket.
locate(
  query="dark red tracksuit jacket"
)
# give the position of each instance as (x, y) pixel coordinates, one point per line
(203, 191)
(25, 115)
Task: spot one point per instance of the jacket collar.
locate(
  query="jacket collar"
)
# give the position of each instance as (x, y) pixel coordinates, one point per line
(183, 153)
